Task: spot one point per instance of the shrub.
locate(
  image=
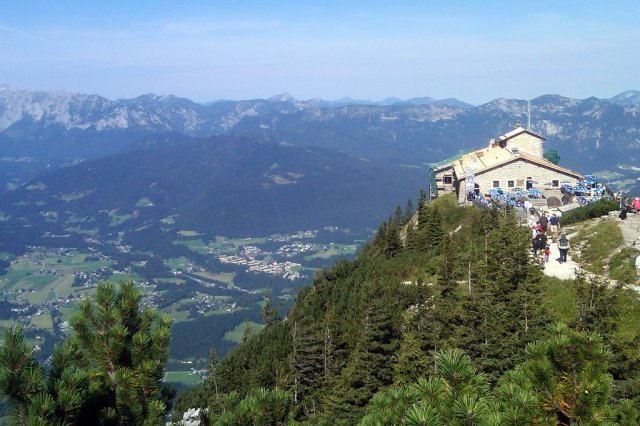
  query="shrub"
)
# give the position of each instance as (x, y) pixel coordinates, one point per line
(622, 266)
(589, 211)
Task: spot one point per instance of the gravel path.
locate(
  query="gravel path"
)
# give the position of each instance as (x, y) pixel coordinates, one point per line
(564, 271)
(630, 229)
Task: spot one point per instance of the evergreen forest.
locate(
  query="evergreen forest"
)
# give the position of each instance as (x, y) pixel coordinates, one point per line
(443, 318)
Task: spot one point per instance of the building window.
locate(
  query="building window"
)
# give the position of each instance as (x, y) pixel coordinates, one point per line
(520, 183)
(447, 179)
(496, 184)
(555, 183)
(510, 184)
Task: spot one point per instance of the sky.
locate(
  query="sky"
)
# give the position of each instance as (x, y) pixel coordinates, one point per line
(475, 51)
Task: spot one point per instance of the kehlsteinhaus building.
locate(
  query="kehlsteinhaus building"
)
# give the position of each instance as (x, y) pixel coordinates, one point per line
(512, 162)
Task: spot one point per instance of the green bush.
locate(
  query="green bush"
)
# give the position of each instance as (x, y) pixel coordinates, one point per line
(589, 211)
(622, 266)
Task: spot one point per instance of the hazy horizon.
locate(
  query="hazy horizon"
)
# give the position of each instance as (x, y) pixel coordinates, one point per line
(474, 52)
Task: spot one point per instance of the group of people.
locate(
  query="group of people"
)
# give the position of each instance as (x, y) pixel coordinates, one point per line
(635, 207)
(539, 240)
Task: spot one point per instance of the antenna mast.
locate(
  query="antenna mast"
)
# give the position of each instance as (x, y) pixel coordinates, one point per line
(529, 113)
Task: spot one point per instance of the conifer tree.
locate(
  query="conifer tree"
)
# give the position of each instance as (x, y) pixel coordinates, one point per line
(408, 210)
(410, 361)
(433, 229)
(422, 198)
(369, 368)
(392, 243)
(109, 371)
(456, 394)
(567, 375)
(270, 312)
(261, 407)
(595, 305)
(398, 216)
(506, 310)
(447, 304)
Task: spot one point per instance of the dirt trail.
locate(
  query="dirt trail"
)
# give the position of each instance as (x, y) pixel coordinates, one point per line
(554, 268)
(630, 229)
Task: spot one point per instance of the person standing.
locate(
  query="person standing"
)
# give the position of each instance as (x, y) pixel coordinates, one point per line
(636, 204)
(623, 209)
(544, 221)
(563, 247)
(555, 224)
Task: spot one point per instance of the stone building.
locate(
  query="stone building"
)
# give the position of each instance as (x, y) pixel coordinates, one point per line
(513, 161)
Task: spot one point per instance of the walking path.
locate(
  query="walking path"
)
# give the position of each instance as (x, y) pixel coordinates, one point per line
(630, 229)
(553, 268)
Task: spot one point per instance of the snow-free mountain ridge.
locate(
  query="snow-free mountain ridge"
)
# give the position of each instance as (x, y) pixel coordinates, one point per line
(40, 129)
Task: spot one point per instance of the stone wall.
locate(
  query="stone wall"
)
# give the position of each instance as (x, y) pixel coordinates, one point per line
(518, 171)
(525, 142)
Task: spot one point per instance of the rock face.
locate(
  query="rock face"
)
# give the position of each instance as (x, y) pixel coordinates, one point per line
(192, 417)
(54, 128)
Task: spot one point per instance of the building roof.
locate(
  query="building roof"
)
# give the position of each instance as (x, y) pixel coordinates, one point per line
(486, 159)
(496, 155)
(518, 131)
(446, 163)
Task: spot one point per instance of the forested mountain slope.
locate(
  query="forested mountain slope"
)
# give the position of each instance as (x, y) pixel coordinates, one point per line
(462, 278)
(225, 185)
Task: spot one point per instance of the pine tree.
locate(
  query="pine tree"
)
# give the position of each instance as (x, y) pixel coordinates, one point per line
(506, 310)
(398, 216)
(567, 374)
(433, 229)
(595, 305)
(109, 371)
(369, 367)
(306, 363)
(392, 243)
(448, 303)
(410, 361)
(456, 394)
(422, 198)
(408, 210)
(270, 312)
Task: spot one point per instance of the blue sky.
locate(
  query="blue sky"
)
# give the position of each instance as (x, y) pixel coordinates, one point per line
(205, 50)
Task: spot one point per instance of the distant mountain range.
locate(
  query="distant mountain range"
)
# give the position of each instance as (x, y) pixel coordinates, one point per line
(48, 129)
(43, 131)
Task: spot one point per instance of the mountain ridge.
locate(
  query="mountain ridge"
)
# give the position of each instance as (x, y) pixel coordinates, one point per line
(50, 131)
(225, 185)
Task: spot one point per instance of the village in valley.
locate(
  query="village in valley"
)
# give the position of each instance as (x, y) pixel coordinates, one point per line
(42, 288)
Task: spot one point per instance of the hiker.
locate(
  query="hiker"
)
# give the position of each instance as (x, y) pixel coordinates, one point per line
(531, 220)
(623, 209)
(563, 247)
(555, 224)
(544, 221)
(547, 252)
(539, 242)
(636, 204)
